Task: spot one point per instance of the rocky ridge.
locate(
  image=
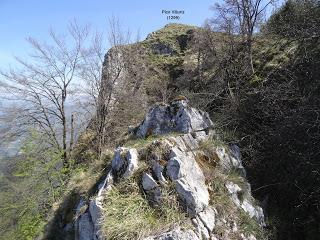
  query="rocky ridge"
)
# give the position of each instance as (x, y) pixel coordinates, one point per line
(177, 157)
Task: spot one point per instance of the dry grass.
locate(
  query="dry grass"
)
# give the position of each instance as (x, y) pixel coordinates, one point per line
(220, 199)
(85, 177)
(219, 196)
(127, 214)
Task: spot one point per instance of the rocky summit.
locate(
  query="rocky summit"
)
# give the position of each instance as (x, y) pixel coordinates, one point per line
(177, 116)
(180, 153)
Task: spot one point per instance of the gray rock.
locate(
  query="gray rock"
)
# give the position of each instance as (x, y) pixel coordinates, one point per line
(85, 227)
(234, 191)
(95, 210)
(208, 218)
(249, 237)
(230, 161)
(152, 189)
(176, 155)
(148, 183)
(163, 49)
(178, 116)
(132, 158)
(125, 161)
(202, 135)
(158, 171)
(255, 212)
(159, 150)
(235, 151)
(176, 234)
(189, 141)
(96, 206)
(245, 202)
(200, 229)
(189, 180)
(83, 224)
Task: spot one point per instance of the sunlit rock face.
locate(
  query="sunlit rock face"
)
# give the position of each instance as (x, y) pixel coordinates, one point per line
(177, 117)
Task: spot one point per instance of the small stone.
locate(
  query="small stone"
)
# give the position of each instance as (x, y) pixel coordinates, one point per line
(208, 218)
(234, 189)
(125, 161)
(148, 183)
(175, 234)
(201, 230)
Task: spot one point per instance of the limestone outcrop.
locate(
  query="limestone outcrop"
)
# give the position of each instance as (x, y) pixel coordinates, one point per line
(88, 224)
(177, 157)
(177, 116)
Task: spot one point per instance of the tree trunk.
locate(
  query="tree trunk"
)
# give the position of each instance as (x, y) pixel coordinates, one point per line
(64, 130)
(71, 134)
(249, 45)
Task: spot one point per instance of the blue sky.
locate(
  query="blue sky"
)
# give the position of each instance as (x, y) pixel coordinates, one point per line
(23, 18)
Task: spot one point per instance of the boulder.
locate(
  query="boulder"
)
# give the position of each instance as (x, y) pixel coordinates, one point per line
(175, 159)
(125, 161)
(189, 180)
(148, 183)
(177, 116)
(151, 189)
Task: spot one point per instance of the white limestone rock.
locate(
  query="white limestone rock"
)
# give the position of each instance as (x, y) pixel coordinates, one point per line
(95, 210)
(255, 212)
(177, 116)
(189, 180)
(245, 202)
(208, 218)
(176, 155)
(176, 234)
(125, 161)
(200, 229)
(230, 161)
(234, 190)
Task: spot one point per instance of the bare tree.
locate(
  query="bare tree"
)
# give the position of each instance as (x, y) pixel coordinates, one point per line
(43, 84)
(91, 68)
(242, 17)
